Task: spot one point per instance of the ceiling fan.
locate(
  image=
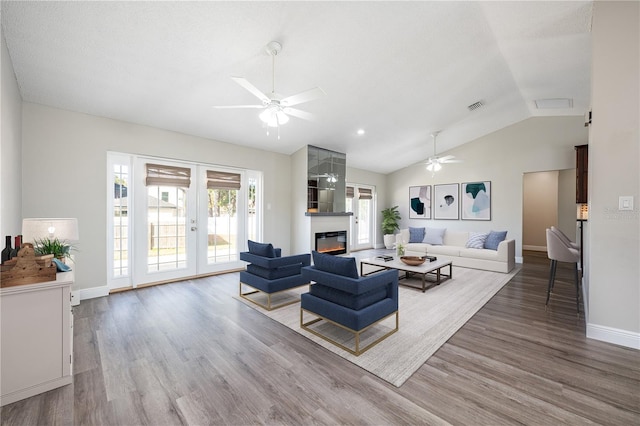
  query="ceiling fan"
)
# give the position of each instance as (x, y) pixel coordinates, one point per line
(277, 108)
(435, 163)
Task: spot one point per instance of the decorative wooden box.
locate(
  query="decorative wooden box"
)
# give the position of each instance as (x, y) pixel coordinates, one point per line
(27, 268)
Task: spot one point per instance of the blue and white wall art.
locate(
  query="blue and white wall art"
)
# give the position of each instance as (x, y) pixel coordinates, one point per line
(476, 200)
(420, 202)
(445, 201)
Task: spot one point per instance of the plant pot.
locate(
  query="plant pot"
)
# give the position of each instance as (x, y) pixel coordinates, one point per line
(389, 241)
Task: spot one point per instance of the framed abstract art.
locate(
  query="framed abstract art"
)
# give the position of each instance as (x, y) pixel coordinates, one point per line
(445, 201)
(476, 200)
(420, 202)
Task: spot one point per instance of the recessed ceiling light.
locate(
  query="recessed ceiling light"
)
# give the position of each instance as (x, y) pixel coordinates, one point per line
(554, 103)
(360, 132)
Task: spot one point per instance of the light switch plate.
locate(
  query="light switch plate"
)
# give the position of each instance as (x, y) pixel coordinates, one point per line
(625, 202)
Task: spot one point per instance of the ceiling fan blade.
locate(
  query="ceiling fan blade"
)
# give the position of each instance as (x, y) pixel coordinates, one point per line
(451, 161)
(446, 158)
(251, 88)
(236, 106)
(298, 113)
(306, 96)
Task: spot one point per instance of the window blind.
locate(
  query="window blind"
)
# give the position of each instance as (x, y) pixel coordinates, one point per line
(222, 180)
(162, 175)
(364, 194)
(350, 191)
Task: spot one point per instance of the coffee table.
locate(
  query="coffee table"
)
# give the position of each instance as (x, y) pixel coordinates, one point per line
(433, 268)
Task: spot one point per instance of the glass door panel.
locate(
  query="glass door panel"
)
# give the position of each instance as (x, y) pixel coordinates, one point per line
(166, 228)
(165, 225)
(362, 206)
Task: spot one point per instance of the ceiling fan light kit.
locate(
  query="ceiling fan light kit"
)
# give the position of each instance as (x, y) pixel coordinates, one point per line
(276, 108)
(273, 117)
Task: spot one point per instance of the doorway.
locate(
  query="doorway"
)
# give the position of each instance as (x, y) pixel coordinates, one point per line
(360, 202)
(548, 199)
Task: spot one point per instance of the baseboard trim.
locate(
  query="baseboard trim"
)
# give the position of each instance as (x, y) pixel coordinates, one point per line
(616, 336)
(534, 248)
(93, 292)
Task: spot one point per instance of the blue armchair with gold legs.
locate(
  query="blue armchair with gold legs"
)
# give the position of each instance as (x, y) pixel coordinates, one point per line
(343, 298)
(268, 272)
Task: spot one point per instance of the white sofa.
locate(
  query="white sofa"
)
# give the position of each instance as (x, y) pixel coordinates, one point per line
(454, 248)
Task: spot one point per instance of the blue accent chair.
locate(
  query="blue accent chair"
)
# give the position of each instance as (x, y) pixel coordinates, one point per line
(348, 301)
(268, 272)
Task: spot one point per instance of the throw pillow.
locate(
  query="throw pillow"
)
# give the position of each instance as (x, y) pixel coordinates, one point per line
(260, 249)
(345, 266)
(476, 240)
(416, 235)
(434, 236)
(494, 238)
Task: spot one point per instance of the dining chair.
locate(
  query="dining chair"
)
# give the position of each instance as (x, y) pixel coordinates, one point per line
(565, 238)
(559, 251)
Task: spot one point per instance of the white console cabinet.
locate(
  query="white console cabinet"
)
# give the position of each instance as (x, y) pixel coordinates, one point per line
(36, 340)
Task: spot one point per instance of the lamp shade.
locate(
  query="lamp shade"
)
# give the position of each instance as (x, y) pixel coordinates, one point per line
(64, 229)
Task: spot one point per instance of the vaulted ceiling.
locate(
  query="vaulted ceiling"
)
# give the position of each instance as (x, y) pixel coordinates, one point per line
(398, 70)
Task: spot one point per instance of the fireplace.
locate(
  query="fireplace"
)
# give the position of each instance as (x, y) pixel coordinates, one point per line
(334, 242)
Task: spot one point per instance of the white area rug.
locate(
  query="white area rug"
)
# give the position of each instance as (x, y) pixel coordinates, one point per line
(427, 321)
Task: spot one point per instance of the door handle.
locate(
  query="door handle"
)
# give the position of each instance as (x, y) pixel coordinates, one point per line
(193, 228)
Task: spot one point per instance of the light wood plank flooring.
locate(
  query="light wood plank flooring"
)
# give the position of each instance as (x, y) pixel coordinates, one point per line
(188, 353)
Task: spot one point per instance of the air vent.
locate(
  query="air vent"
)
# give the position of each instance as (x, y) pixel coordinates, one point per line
(554, 103)
(475, 106)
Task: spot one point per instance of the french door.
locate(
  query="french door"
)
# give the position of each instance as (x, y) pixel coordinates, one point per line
(360, 201)
(172, 220)
(165, 220)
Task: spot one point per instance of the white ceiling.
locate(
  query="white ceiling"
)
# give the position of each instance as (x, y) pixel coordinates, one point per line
(399, 70)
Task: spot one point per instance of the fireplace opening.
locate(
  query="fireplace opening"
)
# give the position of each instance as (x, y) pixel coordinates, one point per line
(334, 242)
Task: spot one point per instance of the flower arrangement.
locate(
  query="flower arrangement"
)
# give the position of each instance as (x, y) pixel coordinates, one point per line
(400, 249)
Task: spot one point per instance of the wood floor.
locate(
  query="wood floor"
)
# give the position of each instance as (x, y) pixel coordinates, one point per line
(188, 353)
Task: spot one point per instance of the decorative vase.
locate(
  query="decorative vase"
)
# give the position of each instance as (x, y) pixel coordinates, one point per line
(400, 250)
(389, 241)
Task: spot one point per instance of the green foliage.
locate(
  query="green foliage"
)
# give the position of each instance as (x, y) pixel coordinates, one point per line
(59, 249)
(390, 219)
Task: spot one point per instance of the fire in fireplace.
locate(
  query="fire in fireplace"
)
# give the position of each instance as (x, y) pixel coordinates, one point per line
(334, 242)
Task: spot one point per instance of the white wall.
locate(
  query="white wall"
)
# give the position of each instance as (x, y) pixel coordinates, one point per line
(502, 157)
(64, 159)
(614, 163)
(299, 184)
(10, 149)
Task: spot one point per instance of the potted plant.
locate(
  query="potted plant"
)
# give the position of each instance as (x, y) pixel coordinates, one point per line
(60, 249)
(390, 219)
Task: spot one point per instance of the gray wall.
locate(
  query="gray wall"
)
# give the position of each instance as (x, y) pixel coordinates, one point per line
(502, 157)
(567, 213)
(65, 155)
(10, 149)
(614, 164)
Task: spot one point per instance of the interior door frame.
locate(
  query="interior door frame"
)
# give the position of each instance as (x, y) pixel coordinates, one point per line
(356, 217)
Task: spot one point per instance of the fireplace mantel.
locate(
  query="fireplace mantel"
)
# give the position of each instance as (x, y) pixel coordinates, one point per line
(328, 214)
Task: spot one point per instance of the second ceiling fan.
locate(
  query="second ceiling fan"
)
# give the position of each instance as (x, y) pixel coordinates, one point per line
(277, 108)
(435, 163)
